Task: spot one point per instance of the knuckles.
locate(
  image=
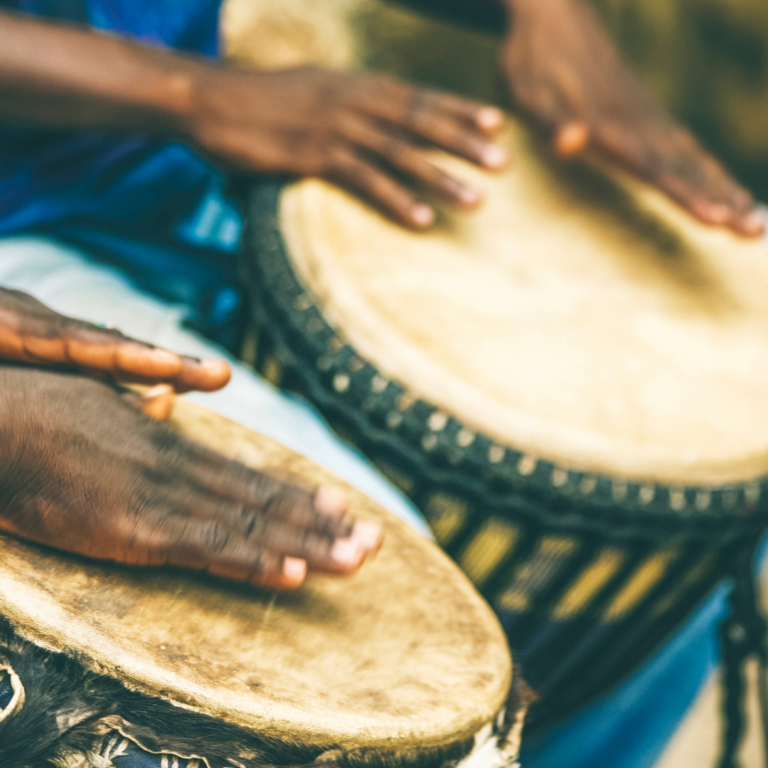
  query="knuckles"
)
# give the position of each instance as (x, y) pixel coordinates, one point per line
(135, 486)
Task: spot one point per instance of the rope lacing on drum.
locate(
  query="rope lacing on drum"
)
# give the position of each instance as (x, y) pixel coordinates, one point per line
(743, 635)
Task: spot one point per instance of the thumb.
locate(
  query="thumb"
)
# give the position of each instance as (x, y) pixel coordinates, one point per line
(157, 402)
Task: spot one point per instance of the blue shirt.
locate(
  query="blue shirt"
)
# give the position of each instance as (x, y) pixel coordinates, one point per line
(154, 208)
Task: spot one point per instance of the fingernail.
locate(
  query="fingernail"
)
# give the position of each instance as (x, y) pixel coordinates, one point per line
(490, 118)
(493, 156)
(754, 222)
(717, 213)
(294, 569)
(331, 501)
(571, 139)
(422, 215)
(368, 534)
(346, 552)
(467, 196)
(218, 371)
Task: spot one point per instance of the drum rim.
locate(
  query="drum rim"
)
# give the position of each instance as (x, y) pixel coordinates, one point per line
(435, 434)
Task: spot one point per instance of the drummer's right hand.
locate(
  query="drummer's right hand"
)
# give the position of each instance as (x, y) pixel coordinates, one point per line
(83, 470)
(365, 132)
(31, 332)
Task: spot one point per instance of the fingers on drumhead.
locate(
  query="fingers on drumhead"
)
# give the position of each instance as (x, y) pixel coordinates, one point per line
(292, 576)
(715, 207)
(749, 224)
(285, 575)
(487, 118)
(369, 535)
(353, 172)
(752, 224)
(238, 540)
(211, 546)
(683, 170)
(459, 126)
(330, 500)
(401, 154)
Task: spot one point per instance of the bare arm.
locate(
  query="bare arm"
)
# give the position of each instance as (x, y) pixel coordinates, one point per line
(60, 75)
(362, 131)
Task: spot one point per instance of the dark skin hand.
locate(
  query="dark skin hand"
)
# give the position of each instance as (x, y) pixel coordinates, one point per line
(85, 468)
(30, 332)
(82, 469)
(366, 132)
(568, 79)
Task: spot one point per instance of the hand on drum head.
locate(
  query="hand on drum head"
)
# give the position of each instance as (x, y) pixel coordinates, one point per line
(30, 332)
(365, 132)
(568, 78)
(81, 469)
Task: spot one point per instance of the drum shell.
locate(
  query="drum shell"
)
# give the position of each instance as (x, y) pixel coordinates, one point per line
(586, 573)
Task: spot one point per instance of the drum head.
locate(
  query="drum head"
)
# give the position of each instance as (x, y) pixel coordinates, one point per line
(403, 655)
(577, 317)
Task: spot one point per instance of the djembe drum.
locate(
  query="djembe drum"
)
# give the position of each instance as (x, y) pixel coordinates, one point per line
(570, 384)
(401, 665)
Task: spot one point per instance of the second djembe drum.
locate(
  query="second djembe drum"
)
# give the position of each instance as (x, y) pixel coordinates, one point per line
(571, 384)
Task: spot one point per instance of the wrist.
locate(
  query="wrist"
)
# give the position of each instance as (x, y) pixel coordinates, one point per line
(200, 104)
(167, 93)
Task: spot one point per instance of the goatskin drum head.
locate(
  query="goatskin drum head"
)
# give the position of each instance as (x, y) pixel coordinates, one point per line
(578, 317)
(403, 655)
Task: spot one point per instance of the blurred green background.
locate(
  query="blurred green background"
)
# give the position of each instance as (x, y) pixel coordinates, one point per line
(708, 61)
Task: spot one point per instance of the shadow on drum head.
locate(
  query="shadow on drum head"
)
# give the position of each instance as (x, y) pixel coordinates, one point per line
(657, 252)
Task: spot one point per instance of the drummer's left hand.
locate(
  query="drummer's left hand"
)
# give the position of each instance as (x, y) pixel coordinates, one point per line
(31, 332)
(567, 77)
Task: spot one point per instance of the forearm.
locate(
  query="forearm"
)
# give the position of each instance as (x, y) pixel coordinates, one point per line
(59, 75)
